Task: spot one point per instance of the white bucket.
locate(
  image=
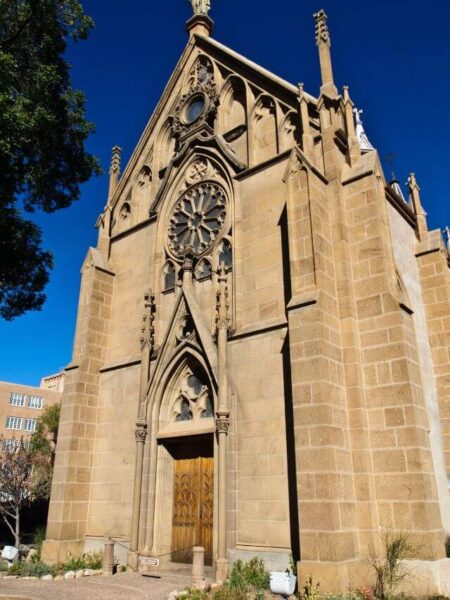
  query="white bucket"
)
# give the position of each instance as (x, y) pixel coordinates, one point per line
(283, 583)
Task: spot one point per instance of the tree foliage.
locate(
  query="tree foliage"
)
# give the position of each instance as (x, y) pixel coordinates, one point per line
(26, 469)
(16, 483)
(42, 447)
(43, 130)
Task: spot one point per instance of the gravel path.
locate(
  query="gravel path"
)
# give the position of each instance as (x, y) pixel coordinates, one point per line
(123, 586)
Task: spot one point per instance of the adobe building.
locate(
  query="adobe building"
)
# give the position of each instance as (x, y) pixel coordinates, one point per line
(261, 361)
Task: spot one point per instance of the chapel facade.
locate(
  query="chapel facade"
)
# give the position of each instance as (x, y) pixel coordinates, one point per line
(261, 361)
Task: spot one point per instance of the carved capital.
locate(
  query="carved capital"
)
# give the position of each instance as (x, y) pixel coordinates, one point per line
(140, 433)
(222, 424)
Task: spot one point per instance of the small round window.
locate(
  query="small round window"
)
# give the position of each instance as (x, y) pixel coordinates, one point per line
(195, 108)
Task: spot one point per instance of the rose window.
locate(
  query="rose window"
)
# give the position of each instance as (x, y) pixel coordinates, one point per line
(197, 218)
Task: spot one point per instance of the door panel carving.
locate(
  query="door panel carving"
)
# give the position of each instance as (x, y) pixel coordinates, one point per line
(192, 520)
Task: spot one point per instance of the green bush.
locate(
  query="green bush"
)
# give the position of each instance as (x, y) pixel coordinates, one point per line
(31, 569)
(225, 592)
(4, 565)
(89, 560)
(39, 537)
(194, 594)
(249, 577)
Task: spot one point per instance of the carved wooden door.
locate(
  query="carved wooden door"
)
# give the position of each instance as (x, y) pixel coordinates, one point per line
(192, 519)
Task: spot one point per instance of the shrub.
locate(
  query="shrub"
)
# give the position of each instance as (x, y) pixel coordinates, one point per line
(249, 577)
(31, 569)
(89, 560)
(225, 592)
(390, 569)
(4, 566)
(39, 537)
(194, 594)
(309, 591)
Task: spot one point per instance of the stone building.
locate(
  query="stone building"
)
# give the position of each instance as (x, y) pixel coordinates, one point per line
(261, 362)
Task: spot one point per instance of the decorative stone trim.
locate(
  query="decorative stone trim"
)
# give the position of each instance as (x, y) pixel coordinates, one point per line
(222, 425)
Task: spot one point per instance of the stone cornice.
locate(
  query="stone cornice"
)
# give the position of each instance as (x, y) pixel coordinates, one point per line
(303, 300)
(128, 361)
(400, 206)
(263, 165)
(133, 229)
(259, 75)
(260, 328)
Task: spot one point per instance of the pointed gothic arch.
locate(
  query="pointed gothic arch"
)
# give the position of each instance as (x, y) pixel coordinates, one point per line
(200, 73)
(165, 149)
(264, 129)
(163, 393)
(233, 116)
(168, 277)
(289, 130)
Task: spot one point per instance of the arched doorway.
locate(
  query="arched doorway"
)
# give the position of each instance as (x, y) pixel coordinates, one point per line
(184, 515)
(193, 497)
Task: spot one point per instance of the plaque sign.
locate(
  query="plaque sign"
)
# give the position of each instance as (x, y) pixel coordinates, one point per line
(148, 561)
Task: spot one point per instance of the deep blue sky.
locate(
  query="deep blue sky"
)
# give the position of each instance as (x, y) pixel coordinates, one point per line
(394, 55)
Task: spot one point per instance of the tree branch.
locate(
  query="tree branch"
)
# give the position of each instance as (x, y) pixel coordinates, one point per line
(11, 528)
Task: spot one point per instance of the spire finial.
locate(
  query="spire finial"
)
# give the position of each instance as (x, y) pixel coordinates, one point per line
(114, 170)
(322, 33)
(200, 23)
(323, 42)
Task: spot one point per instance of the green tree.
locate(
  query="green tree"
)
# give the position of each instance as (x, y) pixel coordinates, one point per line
(42, 450)
(16, 483)
(43, 130)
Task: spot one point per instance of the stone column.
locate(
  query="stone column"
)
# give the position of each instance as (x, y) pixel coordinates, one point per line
(222, 424)
(108, 557)
(141, 434)
(198, 567)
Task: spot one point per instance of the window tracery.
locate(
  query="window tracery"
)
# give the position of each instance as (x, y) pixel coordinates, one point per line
(226, 254)
(203, 270)
(197, 219)
(193, 399)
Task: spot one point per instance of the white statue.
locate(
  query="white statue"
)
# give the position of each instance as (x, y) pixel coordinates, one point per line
(200, 7)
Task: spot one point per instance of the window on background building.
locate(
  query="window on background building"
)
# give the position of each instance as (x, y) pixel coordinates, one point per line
(35, 401)
(13, 423)
(30, 425)
(17, 399)
(10, 444)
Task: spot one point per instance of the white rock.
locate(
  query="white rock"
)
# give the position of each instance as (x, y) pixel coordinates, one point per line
(48, 577)
(11, 577)
(79, 573)
(59, 578)
(69, 575)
